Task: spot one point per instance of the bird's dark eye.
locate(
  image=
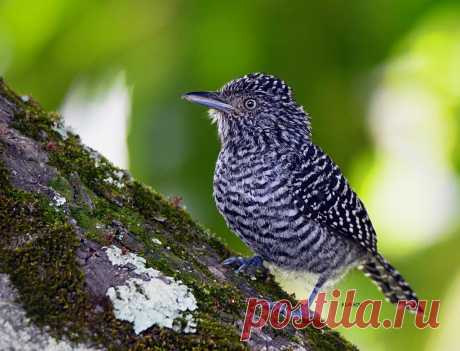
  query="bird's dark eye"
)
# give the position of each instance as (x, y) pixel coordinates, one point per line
(250, 104)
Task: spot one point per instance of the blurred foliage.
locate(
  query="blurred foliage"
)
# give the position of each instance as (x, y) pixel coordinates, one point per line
(332, 52)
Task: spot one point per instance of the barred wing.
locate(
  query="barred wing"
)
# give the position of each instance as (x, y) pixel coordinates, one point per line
(323, 193)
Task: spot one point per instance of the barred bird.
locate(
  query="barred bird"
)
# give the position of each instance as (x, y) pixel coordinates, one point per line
(283, 196)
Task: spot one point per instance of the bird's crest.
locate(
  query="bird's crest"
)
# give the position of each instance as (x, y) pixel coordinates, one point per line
(259, 82)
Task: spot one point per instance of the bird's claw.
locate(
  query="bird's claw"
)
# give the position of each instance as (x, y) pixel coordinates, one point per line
(242, 262)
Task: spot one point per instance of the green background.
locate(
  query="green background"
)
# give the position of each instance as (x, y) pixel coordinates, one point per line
(351, 63)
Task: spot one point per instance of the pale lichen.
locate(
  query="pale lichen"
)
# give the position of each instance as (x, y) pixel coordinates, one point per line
(62, 130)
(154, 299)
(156, 241)
(58, 199)
(111, 181)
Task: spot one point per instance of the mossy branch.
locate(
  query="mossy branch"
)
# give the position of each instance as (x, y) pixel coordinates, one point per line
(62, 204)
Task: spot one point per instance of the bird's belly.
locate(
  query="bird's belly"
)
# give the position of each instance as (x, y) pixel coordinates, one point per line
(266, 219)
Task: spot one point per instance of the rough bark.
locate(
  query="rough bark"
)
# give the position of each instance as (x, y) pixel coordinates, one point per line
(64, 213)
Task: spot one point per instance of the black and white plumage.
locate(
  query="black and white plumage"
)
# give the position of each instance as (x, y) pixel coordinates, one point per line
(283, 196)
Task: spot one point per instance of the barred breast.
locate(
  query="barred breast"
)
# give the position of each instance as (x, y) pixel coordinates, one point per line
(252, 192)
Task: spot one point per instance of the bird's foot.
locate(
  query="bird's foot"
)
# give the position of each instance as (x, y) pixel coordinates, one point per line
(243, 262)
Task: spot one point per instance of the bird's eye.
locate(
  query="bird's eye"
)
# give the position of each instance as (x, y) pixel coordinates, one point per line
(250, 104)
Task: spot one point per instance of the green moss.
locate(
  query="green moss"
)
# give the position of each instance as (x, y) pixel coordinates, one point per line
(328, 340)
(44, 270)
(51, 285)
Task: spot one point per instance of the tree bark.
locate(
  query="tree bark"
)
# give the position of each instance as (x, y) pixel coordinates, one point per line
(92, 259)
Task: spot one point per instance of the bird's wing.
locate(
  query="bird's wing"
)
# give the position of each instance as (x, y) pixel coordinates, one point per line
(322, 192)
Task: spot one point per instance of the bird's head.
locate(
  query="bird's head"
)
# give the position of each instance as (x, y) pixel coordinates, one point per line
(256, 105)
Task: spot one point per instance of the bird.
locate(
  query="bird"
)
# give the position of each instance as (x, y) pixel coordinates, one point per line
(283, 196)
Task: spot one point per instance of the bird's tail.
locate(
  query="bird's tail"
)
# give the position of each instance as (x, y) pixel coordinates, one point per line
(389, 281)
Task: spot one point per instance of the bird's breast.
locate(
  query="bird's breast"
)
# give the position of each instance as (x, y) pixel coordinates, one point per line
(252, 194)
(249, 183)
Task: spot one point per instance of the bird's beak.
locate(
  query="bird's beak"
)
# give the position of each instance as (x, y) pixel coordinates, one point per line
(208, 99)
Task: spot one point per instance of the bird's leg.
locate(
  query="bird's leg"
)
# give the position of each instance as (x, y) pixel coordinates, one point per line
(243, 262)
(301, 314)
(309, 305)
(319, 284)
